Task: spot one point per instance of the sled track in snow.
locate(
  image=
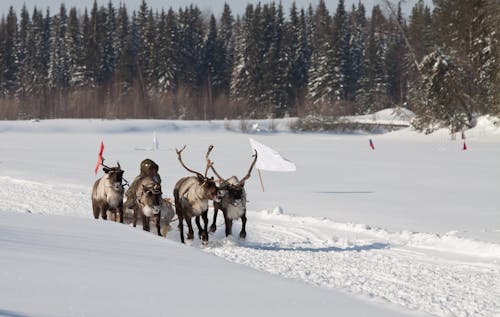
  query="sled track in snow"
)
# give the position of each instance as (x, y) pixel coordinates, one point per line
(421, 272)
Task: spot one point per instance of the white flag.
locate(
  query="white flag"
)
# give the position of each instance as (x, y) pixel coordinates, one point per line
(270, 160)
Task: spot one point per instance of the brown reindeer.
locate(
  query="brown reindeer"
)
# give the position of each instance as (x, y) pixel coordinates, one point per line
(107, 193)
(148, 203)
(232, 200)
(191, 195)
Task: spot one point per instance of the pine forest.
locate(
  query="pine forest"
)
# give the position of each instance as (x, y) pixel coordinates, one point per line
(267, 62)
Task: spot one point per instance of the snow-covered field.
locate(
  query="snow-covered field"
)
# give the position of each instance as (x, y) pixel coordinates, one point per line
(411, 228)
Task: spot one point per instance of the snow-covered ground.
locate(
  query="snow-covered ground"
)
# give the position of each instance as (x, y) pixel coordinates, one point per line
(412, 227)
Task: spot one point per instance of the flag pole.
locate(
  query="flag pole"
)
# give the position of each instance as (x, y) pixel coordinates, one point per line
(261, 183)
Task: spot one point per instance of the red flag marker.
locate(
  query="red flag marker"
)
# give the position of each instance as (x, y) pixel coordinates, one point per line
(465, 146)
(371, 144)
(99, 158)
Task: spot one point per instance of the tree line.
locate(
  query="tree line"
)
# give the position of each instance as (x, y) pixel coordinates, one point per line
(267, 62)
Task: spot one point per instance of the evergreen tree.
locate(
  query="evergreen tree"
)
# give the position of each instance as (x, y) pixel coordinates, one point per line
(8, 65)
(420, 31)
(357, 49)
(240, 72)
(484, 55)
(87, 54)
(23, 56)
(456, 86)
(59, 68)
(226, 38)
(298, 52)
(442, 101)
(92, 40)
(322, 71)
(341, 58)
(372, 94)
(276, 59)
(107, 43)
(191, 47)
(212, 67)
(168, 68)
(125, 47)
(395, 60)
(36, 62)
(74, 43)
(246, 70)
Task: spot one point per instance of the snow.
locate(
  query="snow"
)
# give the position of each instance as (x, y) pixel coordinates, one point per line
(411, 228)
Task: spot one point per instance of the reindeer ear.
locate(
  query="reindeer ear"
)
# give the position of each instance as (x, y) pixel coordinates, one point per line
(106, 169)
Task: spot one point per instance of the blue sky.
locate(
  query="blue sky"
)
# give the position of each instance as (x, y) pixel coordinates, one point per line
(212, 6)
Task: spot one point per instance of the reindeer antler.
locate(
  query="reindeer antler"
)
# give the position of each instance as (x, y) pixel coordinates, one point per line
(242, 181)
(209, 163)
(217, 174)
(104, 165)
(182, 163)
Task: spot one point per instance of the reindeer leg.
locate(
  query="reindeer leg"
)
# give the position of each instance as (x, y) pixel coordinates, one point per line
(181, 226)
(198, 224)
(190, 235)
(158, 218)
(120, 214)
(213, 227)
(229, 225)
(204, 237)
(136, 212)
(96, 209)
(243, 232)
(145, 223)
(104, 213)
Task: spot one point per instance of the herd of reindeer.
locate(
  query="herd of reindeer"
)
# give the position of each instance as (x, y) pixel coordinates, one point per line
(191, 199)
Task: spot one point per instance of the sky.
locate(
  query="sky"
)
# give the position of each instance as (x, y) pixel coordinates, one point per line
(214, 6)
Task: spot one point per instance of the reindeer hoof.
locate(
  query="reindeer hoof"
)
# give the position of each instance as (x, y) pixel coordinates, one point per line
(204, 238)
(213, 228)
(243, 235)
(190, 236)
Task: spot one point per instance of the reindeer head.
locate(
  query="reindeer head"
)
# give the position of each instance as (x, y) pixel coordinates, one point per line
(233, 188)
(114, 176)
(207, 187)
(150, 199)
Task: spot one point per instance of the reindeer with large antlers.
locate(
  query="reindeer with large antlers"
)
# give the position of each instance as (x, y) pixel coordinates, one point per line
(191, 196)
(232, 200)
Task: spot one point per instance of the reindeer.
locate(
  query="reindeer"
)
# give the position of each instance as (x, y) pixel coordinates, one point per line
(148, 203)
(107, 193)
(191, 196)
(232, 200)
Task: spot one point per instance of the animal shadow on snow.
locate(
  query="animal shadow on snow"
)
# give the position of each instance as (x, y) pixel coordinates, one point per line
(9, 313)
(250, 243)
(275, 246)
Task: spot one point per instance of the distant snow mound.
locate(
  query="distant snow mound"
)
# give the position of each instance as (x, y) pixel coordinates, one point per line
(399, 116)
